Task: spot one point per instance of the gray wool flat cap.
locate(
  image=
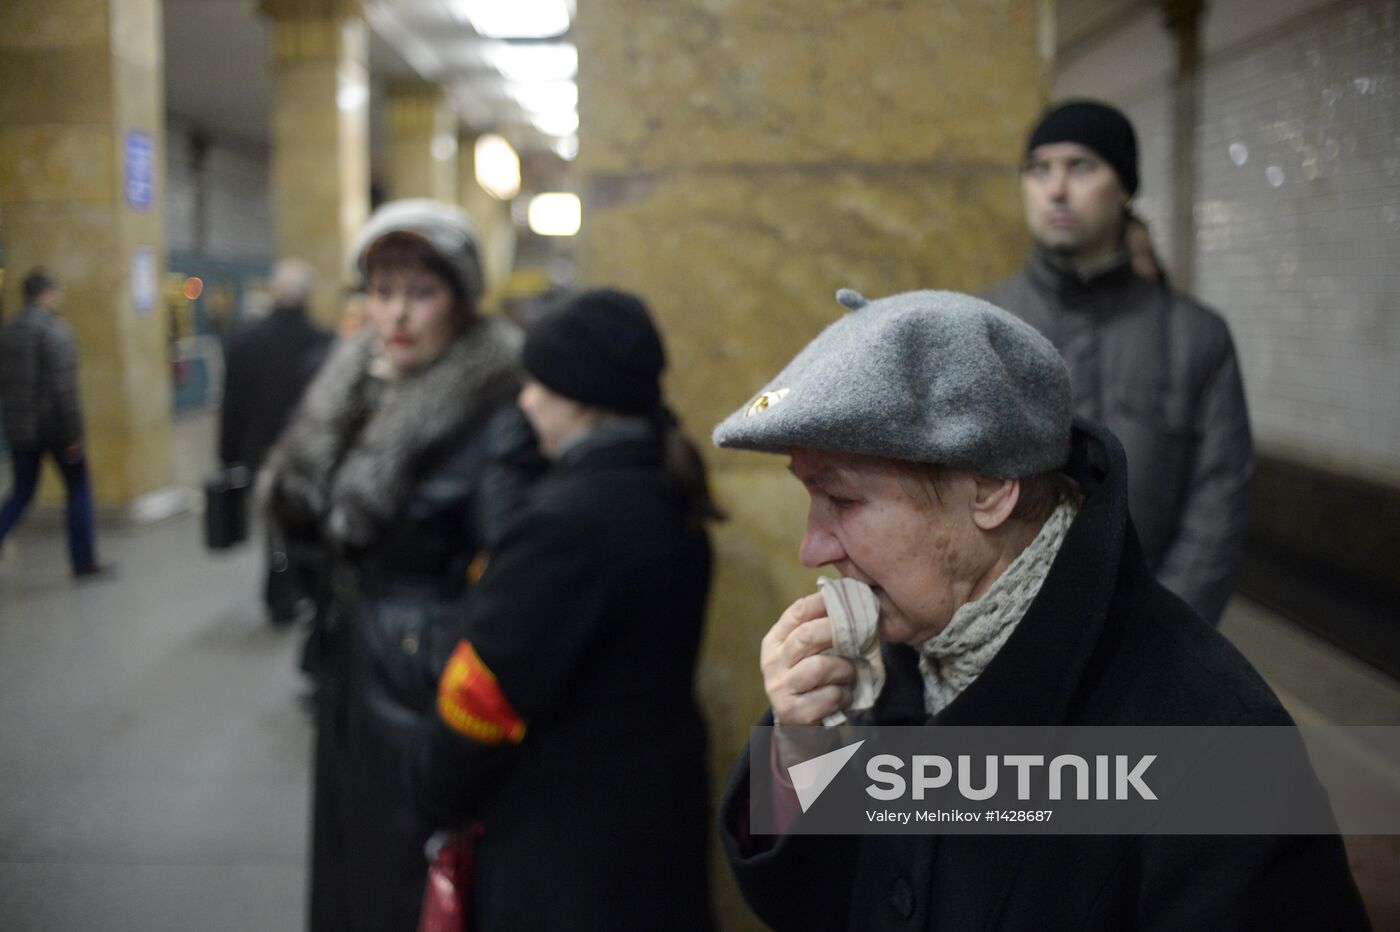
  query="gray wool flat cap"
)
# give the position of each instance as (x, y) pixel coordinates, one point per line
(927, 377)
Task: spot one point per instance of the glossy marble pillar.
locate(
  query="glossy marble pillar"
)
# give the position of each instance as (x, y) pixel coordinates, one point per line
(422, 142)
(320, 138)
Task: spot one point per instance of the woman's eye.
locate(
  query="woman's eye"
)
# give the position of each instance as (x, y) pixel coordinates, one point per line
(838, 502)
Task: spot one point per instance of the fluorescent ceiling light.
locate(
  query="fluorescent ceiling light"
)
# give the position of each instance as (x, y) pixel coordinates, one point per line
(553, 61)
(555, 214)
(443, 146)
(566, 148)
(556, 123)
(544, 97)
(514, 19)
(497, 167)
(351, 96)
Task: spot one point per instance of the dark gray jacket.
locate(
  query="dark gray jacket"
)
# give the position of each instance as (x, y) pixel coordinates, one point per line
(39, 381)
(1159, 370)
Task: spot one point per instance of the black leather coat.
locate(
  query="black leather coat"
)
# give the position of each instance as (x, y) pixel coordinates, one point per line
(401, 483)
(389, 621)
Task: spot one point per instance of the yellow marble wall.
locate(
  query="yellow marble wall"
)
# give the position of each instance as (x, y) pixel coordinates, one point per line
(320, 137)
(76, 76)
(742, 161)
(494, 226)
(422, 142)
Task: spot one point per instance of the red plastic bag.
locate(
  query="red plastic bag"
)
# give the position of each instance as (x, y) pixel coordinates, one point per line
(447, 895)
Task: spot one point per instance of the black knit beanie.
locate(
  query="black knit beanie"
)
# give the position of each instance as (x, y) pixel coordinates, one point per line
(1096, 126)
(599, 348)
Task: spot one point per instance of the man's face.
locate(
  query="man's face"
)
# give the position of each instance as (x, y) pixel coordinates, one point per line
(50, 298)
(921, 557)
(1074, 200)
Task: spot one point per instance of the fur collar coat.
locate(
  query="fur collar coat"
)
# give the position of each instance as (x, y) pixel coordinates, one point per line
(349, 459)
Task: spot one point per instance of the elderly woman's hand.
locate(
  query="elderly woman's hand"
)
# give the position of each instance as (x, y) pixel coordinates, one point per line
(804, 685)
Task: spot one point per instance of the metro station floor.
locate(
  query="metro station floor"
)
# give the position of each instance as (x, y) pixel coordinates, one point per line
(154, 751)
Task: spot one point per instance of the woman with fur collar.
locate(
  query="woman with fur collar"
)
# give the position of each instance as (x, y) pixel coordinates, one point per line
(385, 467)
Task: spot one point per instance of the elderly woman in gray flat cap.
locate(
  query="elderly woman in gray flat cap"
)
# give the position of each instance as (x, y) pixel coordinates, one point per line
(933, 433)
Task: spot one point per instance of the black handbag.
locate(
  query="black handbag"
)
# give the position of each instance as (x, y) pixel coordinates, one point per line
(226, 508)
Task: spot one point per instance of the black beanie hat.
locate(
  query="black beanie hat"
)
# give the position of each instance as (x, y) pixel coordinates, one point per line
(599, 348)
(1096, 126)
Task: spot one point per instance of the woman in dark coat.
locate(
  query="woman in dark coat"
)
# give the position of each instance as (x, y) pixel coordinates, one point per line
(568, 729)
(385, 467)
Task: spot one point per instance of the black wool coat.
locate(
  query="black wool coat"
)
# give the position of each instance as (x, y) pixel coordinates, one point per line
(267, 365)
(590, 617)
(1102, 644)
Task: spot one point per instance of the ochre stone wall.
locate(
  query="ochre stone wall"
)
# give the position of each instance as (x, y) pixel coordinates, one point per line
(742, 161)
(420, 118)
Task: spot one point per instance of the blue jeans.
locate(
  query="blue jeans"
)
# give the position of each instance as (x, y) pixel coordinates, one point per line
(79, 511)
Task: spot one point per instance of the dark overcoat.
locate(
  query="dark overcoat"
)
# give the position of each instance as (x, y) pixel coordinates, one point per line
(1102, 644)
(589, 617)
(267, 365)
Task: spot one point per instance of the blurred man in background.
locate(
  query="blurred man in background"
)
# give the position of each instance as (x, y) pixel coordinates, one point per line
(268, 364)
(39, 398)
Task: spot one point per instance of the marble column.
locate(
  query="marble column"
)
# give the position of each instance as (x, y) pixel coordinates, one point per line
(740, 163)
(82, 140)
(422, 142)
(320, 137)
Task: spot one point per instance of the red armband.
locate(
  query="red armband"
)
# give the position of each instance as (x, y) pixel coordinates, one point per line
(471, 702)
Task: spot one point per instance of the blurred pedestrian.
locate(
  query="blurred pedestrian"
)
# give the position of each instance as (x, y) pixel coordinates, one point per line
(567, 726)
(42, 416)
(1152, 364)
(383, 466)
(268, 362)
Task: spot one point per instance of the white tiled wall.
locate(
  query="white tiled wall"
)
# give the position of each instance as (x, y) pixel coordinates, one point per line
(1298, 218)
(239, 221)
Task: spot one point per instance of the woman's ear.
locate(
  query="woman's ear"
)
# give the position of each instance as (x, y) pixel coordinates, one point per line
(993, 501)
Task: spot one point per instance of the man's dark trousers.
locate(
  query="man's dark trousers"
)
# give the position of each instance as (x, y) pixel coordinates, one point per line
(79, 511)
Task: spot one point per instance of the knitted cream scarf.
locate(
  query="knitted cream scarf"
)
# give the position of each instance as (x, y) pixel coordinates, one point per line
(957, 655)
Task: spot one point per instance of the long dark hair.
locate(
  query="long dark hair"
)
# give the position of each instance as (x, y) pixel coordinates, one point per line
(685, 467)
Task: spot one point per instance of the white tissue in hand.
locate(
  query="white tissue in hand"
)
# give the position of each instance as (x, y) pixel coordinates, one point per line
(855, 613)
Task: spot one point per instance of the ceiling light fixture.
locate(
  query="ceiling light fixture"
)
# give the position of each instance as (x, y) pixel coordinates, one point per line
(545, 96)
(497, 167)
(566, 148)
(551, 61)
(555, 214)
(517, 19)
(556, 122)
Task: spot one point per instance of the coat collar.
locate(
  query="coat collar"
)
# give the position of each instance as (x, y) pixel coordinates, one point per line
(619, 451)
(353, 451)
(1050, 275)
(1034, 677)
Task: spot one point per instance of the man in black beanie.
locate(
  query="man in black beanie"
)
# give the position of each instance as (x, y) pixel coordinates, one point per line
(1155, 366)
